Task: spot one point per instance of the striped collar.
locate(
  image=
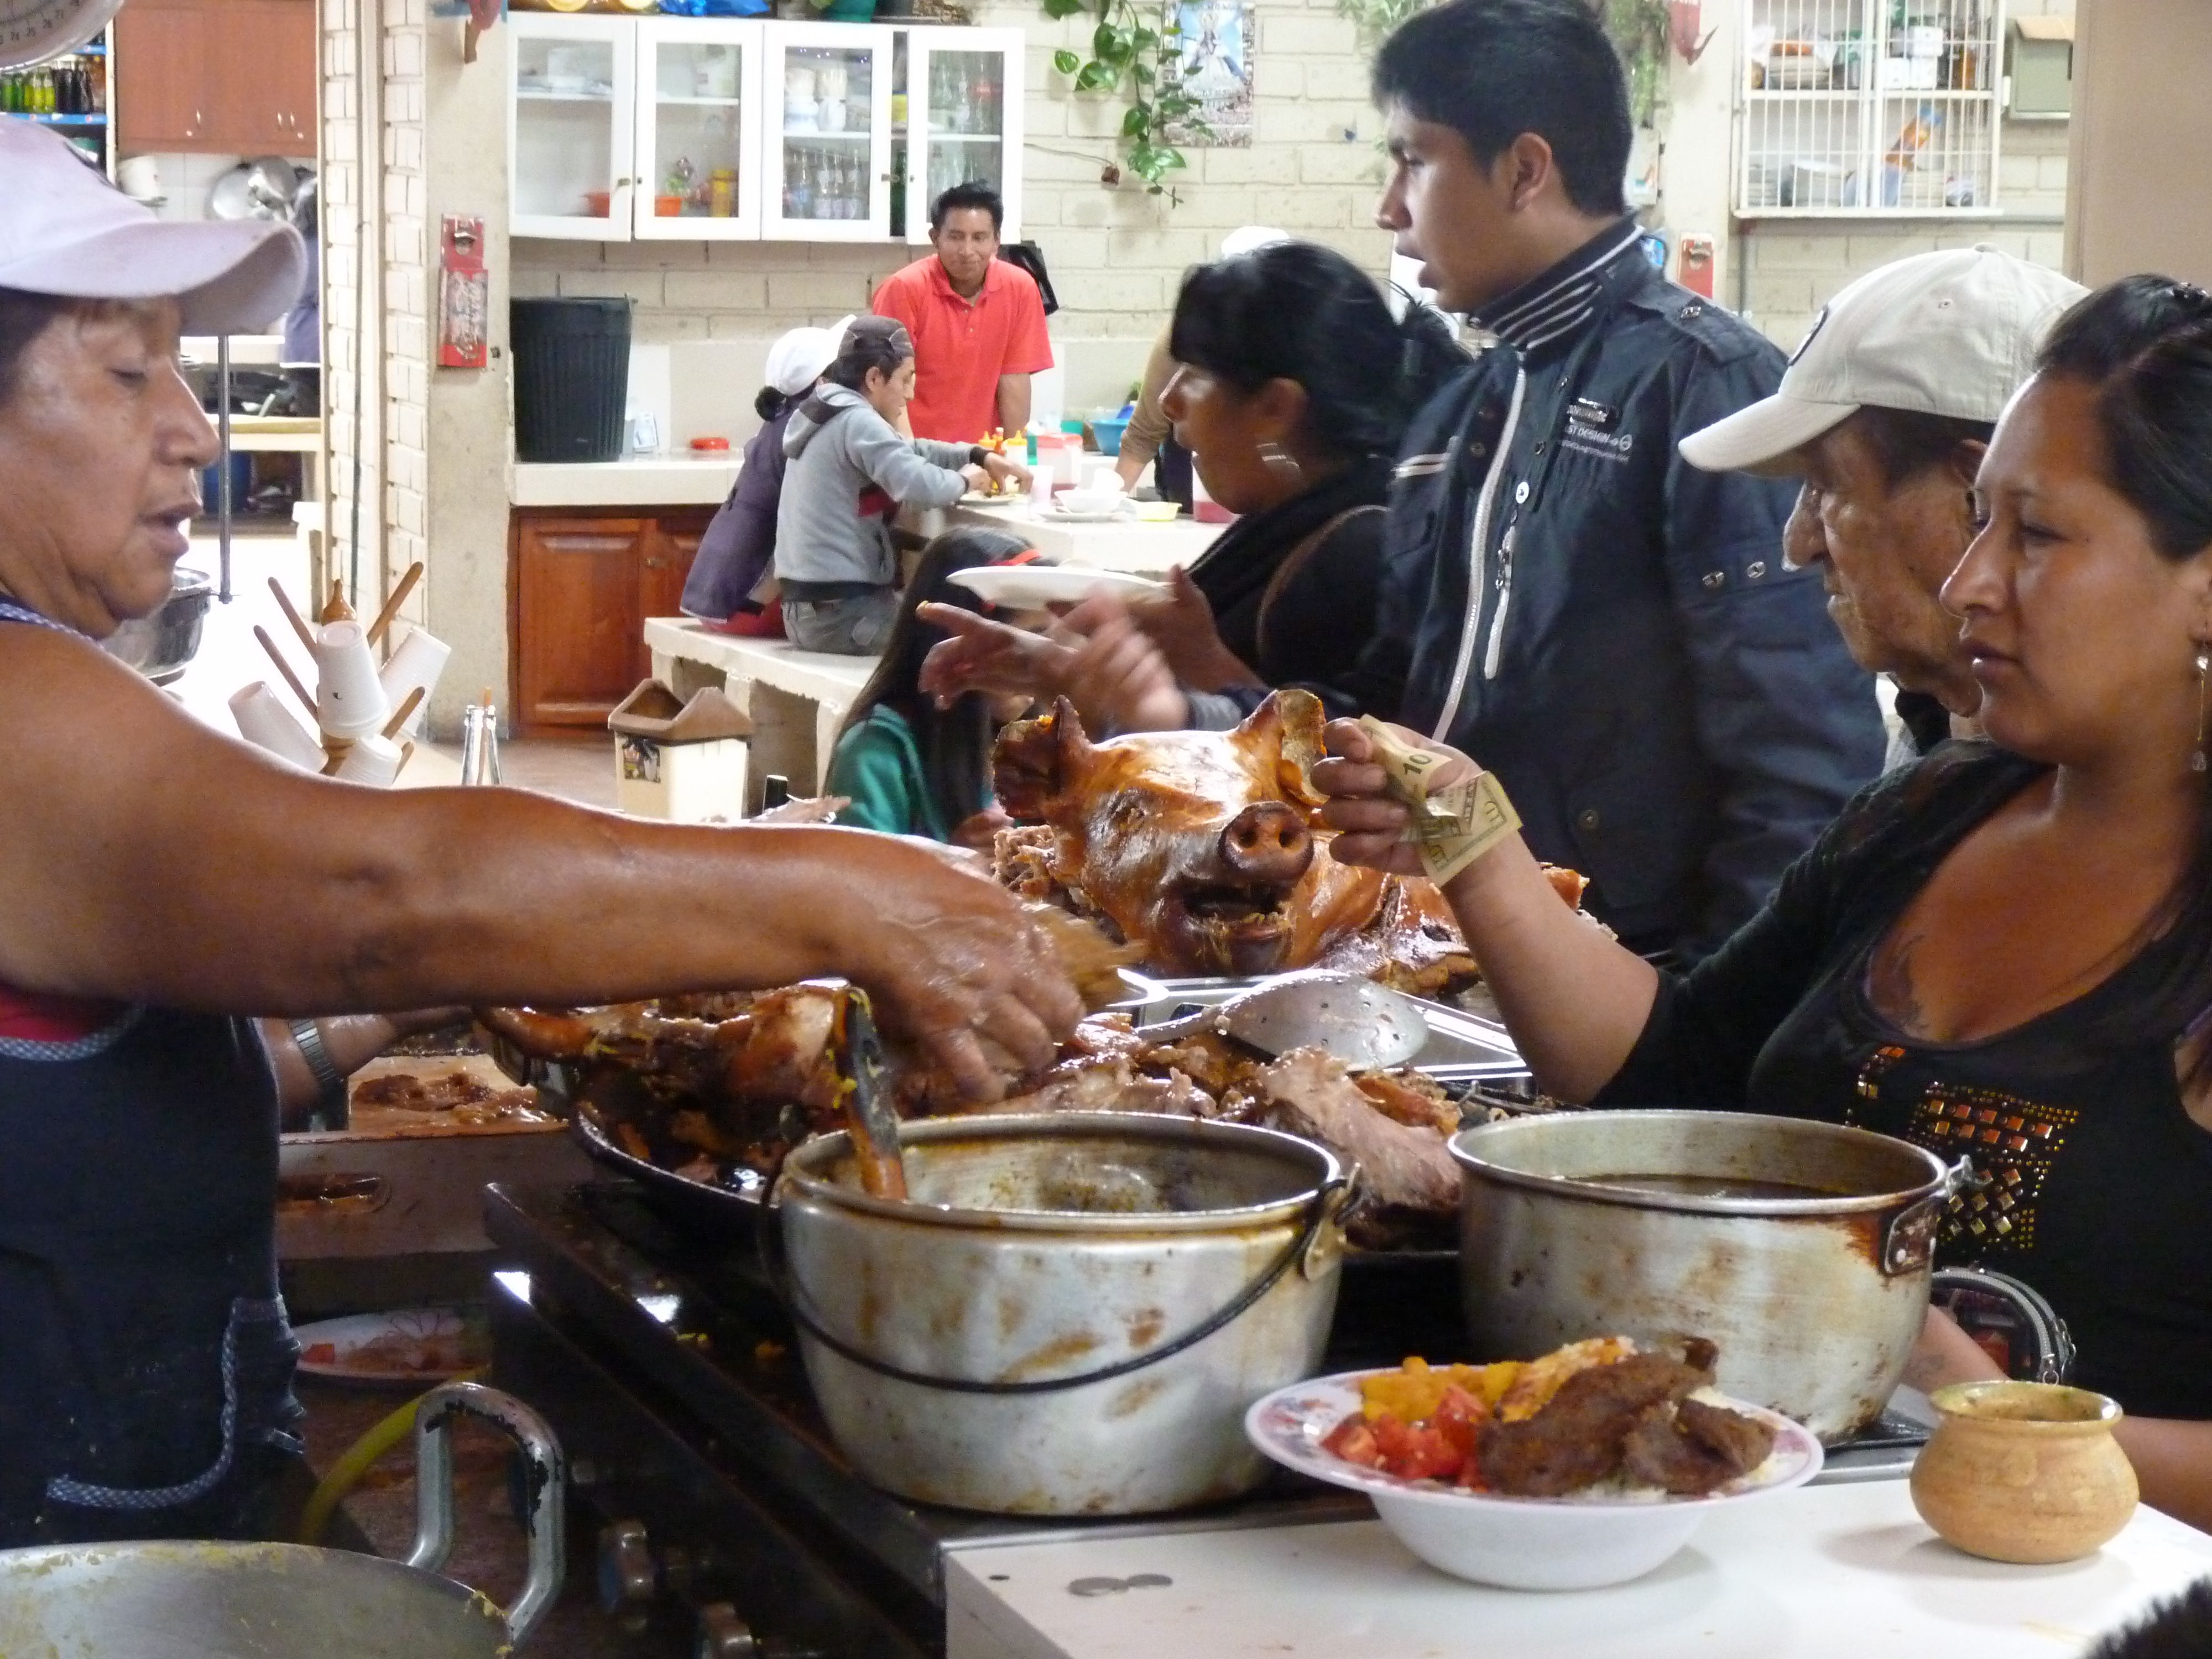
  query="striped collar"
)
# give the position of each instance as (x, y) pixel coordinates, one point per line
(1558, 302)
(11, 612)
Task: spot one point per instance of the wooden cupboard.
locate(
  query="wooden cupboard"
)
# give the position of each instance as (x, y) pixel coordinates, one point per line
(219, 77)
(583, 584)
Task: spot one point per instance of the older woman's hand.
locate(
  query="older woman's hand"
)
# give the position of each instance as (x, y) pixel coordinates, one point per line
(953, 963)
(1179, 622)
(1371, 825)
(1117, 677)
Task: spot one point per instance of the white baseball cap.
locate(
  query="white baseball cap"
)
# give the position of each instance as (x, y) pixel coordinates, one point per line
(1951, 333)
(797, 360)
(65, 230)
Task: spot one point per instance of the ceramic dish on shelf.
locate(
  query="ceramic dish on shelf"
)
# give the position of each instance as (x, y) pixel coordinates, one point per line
(1581, 1541)
(1027, 586)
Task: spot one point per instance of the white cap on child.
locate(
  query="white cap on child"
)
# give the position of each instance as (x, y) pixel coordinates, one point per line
(795, 362)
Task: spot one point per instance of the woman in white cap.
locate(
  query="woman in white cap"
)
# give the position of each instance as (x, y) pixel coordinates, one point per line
(2003, 953)
(730, 588)
(159, 883)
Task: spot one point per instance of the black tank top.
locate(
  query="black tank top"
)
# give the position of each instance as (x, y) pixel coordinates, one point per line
(2099, 1179)
(145, 1360)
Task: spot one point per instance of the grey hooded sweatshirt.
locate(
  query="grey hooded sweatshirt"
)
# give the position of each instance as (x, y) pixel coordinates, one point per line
(849, 473)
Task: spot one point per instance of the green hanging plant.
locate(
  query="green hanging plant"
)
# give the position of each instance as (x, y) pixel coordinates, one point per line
(1142, 59)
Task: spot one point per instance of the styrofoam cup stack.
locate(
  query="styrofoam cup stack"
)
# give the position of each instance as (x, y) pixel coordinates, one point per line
(267, 724)
(372, 760)
(419, 661)
(349, 702)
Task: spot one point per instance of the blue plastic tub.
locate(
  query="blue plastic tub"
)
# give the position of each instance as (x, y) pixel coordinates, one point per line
(1107, 430)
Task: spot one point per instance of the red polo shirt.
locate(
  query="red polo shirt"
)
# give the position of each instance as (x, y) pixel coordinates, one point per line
(960, 349)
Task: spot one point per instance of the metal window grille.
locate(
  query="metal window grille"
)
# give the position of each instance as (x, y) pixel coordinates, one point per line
(1870, 108)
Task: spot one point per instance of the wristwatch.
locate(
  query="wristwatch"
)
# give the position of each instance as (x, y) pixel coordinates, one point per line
(329, 1111)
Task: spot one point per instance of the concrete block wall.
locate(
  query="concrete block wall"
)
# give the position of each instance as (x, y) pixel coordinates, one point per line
(1115, 255)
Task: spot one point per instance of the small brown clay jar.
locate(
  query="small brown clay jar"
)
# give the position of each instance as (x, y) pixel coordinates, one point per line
(2026, 1472)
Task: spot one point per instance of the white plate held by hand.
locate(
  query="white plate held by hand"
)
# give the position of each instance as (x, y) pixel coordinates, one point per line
(1026, 587)
(1576, 1542)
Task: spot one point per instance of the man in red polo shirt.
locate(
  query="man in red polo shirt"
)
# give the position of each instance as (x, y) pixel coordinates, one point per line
(977, 323)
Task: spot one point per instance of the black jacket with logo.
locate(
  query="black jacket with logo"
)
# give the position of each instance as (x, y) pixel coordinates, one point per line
(1612, 631)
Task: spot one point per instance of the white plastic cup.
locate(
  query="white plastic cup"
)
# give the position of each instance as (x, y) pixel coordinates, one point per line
(419, 661)
(267, 724)
(349, 700)
(372, 760)
(1041, 484)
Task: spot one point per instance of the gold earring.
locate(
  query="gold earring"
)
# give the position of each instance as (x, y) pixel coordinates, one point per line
(2203, 669)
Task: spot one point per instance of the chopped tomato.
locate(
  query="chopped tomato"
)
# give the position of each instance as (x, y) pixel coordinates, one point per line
(1354, 1441)
(1459, 1414)
(1429, 1456)
(1470, 1475)
(320, 1354)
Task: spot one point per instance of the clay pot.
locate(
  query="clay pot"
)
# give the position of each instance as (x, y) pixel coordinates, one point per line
(2025, 1472)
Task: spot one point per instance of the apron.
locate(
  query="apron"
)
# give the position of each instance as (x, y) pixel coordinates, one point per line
(145, 1360)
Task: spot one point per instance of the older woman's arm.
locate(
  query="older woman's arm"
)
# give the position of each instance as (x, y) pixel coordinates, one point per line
(144, 857)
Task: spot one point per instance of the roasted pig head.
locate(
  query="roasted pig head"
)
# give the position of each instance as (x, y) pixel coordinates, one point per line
(1197, 845)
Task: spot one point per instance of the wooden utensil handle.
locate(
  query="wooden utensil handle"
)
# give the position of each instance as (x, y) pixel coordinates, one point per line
(285, 669)
(284, 603)
(390, 614)
(399, 715)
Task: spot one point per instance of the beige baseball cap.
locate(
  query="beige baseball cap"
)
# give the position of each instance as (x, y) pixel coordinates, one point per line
(1951, 333)
(65, 230)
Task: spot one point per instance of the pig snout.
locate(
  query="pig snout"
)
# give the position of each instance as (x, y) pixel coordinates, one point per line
(1267, 842)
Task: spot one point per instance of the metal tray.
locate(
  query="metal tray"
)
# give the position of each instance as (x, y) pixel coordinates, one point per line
(1462, 1047)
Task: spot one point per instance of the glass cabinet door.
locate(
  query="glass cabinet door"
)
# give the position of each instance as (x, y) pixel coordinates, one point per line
(698, 129)
(963, 107)
(570, 130)
(826, 97)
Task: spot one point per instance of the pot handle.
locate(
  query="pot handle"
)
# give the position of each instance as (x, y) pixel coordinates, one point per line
(1908, 1243)
(1322, 1218)
(546, 1477)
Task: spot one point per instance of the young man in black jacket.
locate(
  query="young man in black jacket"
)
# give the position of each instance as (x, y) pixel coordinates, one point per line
(1613, 632)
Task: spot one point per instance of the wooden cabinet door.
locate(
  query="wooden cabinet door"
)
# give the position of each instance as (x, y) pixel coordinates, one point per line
(669, 548)
(265, 75)
(578, 627)
(161, 64)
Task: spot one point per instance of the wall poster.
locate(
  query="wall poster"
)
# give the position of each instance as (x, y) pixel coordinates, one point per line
(1218, 38)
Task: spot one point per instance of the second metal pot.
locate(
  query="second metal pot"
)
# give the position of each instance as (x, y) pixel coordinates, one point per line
(1071, 1313)
(1803, 1249)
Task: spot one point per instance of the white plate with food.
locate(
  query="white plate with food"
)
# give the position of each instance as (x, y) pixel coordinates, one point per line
(411, 1347)
(1617, 1526)
(1057, 513)
(1027, 586)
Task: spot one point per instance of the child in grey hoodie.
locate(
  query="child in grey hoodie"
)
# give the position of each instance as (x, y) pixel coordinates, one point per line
(849, 471)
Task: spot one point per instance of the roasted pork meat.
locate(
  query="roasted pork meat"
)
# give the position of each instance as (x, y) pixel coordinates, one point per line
(1578, 1439)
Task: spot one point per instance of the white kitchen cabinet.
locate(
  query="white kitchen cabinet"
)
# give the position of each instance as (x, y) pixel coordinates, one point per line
(827, 163)
(963, 103)
(571, 125)
(699, 129)
(692, 129)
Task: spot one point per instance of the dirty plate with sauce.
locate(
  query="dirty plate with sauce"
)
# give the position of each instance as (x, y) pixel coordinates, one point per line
(410, 1348)
(1581, 1541)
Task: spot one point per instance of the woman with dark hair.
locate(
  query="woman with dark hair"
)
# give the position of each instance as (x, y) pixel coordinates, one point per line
(1294, 384)
(850, 473)
(2005, 952)
(906, 765)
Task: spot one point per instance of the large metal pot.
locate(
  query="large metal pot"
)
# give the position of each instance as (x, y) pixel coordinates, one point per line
(1815, 1295)
(205, 1600)
(161, 644)
(1071, 1313)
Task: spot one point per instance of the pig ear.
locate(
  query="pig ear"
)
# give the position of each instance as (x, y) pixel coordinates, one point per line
(1035, 761)
(1290, 721)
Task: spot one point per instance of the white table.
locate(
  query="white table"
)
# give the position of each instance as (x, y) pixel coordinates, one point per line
(797, 699)
(635, 481)
(1825, 1573)
(1122, 544)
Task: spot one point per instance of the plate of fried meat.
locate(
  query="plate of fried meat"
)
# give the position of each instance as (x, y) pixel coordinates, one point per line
(1589, 1466)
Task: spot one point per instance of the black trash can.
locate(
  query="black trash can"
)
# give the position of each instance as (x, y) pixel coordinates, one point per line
(571, 378)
